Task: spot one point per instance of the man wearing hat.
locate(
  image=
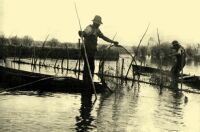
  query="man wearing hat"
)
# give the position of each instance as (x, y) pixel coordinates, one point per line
(180, 59)
(90, 35)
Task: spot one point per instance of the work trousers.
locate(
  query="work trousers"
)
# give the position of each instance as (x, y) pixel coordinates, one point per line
(86, 77)
(175, 71)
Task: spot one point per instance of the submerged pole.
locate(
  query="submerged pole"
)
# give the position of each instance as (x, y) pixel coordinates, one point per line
(15, 49)
(117, 69)
(122, 68)
(67, 57)
(160, 65)
(79, 54)
(79, 59)
(42, 50)
(62, 61)
(181, 71)
(102, 69)
(19, 59)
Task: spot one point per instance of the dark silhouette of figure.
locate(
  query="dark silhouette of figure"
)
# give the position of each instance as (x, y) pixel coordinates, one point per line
(84, 121)
(90, 35)
(180, 61)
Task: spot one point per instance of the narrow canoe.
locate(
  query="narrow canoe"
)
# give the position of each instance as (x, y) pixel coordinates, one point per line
(14, 79)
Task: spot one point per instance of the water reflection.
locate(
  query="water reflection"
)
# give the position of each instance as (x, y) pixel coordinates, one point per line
(116, 110)
(84, 122)
(169, 112)
(140, 108)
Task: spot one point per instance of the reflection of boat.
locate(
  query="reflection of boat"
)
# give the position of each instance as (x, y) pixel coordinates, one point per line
(187, 79)
(24, 80)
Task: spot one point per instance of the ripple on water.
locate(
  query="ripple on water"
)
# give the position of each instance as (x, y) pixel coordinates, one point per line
(141, 109)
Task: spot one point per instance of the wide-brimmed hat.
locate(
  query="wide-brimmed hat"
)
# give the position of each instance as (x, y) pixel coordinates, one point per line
(175, 44)
(97, 19)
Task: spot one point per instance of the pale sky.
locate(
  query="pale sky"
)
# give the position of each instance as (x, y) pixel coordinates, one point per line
(175, 19)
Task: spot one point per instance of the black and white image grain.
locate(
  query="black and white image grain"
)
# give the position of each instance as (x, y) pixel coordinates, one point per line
(99, 66)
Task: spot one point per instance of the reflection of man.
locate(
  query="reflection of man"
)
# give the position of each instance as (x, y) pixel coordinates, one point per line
(85, 120)
(91, 34)
(180, 60)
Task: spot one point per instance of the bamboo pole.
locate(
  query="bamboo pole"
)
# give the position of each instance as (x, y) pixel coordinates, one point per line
(35, 57)
(79, 54)
(133, 59)
(62, 61)
(67, 57)
(160, 65)
(19, 59)
(15, 54)
(85, 54)
(32, 56)
(79, 59)
(102, 69)
(122, 68)
(181, 70)
(42, 49)
(55, 65)
(117, 67)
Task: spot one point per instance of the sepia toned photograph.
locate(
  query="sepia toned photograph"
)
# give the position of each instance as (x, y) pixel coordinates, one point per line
(99, 66)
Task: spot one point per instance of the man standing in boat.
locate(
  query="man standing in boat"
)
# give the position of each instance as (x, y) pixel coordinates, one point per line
(180, 60)
(90, 35)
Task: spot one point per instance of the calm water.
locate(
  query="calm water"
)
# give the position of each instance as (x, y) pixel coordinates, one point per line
(139, 108)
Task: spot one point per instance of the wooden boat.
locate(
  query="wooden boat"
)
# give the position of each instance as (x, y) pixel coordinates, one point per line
(13, 79)
(193, 81)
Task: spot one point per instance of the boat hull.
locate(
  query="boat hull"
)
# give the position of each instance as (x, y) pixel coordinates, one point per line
(193, 81)
(13, 79)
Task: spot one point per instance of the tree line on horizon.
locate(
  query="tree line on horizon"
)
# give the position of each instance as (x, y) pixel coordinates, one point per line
(155, 50)
(26, 46)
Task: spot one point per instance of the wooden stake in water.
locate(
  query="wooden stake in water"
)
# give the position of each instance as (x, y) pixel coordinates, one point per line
(62, 61)
(117, 67)
(160, 65)
(79, 55)
(15, 53)
(79, 58)
(182, 70)
(43, 45)
(20, 50)
(122, 68)
(102, 69)
(67, 57)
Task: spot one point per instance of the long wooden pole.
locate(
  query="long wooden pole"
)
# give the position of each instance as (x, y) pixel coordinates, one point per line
(42, 49)
(85, 54)
(122, 68)
(67, 57)
(79, 59)
(160, 65)
(133, 59)
(182, 70)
